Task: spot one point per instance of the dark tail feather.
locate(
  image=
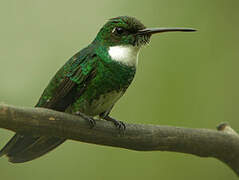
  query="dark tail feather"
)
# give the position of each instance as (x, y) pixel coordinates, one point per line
(22, 148)
(10, 143)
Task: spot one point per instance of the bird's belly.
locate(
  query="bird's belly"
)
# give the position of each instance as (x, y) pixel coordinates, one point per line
(102, 103)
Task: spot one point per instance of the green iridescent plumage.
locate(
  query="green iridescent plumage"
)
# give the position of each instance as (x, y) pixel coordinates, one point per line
(90, 82)
(88, 76)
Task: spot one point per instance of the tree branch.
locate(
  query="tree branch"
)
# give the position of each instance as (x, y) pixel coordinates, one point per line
(222, 144)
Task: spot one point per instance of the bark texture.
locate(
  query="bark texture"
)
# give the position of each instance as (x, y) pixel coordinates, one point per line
(222, 143)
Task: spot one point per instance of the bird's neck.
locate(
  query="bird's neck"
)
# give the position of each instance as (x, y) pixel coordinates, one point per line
(125, 54)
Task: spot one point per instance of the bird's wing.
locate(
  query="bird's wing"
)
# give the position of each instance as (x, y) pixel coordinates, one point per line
(61, 91)
(58, 95)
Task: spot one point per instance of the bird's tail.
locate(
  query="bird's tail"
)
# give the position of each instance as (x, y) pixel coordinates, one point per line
(22, 148)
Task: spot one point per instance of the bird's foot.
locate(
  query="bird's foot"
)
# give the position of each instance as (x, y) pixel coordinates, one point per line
(87, 118)
(118, 124)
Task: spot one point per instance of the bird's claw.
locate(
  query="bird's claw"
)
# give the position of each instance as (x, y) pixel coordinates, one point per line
(87, 118)
(91, 122)
(119, 125)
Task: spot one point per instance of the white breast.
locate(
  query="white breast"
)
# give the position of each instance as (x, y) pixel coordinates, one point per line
(127, 55)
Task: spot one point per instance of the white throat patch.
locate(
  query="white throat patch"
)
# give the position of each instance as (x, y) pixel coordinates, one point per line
(127, 55)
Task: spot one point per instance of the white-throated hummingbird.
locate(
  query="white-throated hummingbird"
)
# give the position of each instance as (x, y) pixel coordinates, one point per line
(90, 82)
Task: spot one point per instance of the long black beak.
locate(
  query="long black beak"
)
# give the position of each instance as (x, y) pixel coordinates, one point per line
(160, 30)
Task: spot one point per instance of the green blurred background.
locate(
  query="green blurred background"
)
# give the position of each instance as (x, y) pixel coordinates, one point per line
(183, 79)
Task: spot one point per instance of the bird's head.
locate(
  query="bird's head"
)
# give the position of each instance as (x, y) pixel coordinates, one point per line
(125, 30)
(123, 36)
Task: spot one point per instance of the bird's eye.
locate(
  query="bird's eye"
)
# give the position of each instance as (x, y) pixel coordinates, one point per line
(118, 31)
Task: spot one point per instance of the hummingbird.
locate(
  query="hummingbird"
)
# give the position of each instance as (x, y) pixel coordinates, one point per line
(90, 82)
